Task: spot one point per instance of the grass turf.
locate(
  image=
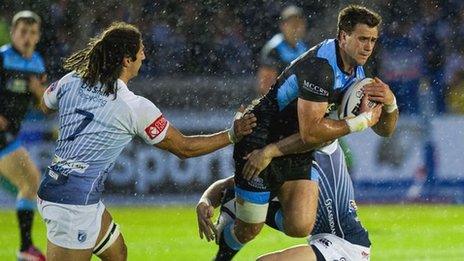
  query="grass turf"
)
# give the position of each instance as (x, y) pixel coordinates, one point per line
(398, 232)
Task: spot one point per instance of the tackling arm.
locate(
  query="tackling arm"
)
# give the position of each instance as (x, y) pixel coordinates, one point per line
(192, 146)
(212, 195)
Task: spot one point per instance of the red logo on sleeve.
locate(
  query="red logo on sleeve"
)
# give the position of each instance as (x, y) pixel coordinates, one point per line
(156, 127)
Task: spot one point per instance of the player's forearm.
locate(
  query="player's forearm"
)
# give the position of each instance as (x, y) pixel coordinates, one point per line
(322, 131)
(212, 195)
(290, 145)
(387, 123)
(198, 145)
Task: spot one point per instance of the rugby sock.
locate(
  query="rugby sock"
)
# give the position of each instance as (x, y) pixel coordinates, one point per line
(25, 213)
(275, 218)
(228, 244)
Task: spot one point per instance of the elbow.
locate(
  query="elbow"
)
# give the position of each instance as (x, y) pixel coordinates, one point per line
(386, 133)
(308, 138)
(182, 155)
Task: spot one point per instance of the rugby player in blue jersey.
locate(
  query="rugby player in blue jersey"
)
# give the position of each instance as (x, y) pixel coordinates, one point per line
(305, 100)
(98, 116)
(282, 48)
(22, 74)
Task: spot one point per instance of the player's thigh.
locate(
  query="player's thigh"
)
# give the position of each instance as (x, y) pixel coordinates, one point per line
(296, 253)
(19, 168)
(299, 199)
(116, 250)
(57, 253)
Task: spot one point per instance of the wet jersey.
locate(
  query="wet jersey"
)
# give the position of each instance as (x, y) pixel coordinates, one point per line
(336, 213)
(94, 129)
(314, 76)
(278, 54)
(15, 96)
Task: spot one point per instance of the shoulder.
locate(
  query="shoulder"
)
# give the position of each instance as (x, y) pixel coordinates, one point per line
(62, 85)
(38, 57)
(38, 64)
(270, 46)
(136, 104)
(5, 48)
(68, 78)
(309, 65)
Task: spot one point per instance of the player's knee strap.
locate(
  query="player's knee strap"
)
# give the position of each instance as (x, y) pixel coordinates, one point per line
(251, 212)
(110, 237)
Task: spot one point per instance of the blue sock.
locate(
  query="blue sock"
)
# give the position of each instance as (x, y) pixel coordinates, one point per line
(230, 239)
(275, 217)
(279, 220)
(25, 204)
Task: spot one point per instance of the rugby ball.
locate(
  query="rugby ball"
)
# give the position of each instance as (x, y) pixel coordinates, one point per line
(351, 102)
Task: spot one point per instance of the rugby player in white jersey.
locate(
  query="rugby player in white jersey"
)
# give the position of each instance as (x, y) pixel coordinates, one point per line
(98, 116)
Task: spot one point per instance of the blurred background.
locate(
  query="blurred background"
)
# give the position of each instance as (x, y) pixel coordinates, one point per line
(202, 59)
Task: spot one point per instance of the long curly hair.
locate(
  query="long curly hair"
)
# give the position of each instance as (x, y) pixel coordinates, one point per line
(102, 60)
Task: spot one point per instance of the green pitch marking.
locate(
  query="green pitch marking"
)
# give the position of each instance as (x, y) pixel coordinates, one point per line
(398, 232)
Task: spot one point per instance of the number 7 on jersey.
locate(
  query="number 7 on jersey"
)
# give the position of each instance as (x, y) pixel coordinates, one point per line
(88, 117)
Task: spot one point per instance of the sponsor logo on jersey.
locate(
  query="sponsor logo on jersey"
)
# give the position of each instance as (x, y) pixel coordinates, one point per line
(257, 183)
(81, 236)
(328, 206)
(352, 207)
(324, 241)
(156, 127)
(365, 255)
(65, 166)
(311, 87)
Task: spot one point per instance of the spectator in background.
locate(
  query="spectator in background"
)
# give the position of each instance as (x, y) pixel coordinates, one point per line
(232, 54)
(401, 64)
(435, 33)
(169, 47)
(455, 95)
(22, 74)
(283, 48)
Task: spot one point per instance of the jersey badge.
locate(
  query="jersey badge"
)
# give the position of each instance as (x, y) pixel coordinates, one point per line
(156, 127)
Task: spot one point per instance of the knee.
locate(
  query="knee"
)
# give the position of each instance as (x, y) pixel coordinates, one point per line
(28, 188)
(247, 232)
(115, 254)
(124, 252)
(299, 229)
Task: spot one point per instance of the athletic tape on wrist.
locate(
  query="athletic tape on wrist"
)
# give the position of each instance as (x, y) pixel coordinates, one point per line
(231, 135)
(389, 108)
(360, 122)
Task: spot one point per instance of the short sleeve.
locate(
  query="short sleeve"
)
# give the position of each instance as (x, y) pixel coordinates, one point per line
(315, 80)
(50, 96)
(151, 125)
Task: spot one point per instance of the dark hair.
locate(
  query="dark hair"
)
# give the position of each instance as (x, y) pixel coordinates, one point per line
(101, 61)
(352, 15)
(27, 17)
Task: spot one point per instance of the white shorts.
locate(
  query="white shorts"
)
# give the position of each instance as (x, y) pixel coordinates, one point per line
(72, 226)
(336, 248)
